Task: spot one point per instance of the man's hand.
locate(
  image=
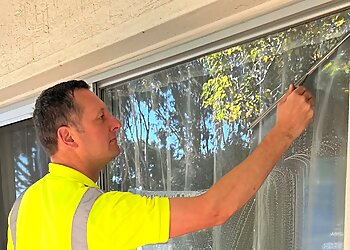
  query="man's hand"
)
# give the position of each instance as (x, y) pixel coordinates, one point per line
(294, 112)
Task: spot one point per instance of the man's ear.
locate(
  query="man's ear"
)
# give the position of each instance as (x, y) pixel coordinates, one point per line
(65, 136)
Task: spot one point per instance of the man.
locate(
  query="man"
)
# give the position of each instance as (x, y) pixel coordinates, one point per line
(66, 210)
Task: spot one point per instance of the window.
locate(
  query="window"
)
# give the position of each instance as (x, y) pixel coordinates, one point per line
(187, 125)
(22, 162)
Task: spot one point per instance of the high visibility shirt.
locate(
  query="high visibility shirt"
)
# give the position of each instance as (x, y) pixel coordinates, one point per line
(66, 210)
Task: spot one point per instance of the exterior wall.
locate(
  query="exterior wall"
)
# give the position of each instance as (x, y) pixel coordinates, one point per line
(44, 42)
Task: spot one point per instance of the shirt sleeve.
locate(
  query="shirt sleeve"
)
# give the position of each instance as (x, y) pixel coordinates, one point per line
(120, 220)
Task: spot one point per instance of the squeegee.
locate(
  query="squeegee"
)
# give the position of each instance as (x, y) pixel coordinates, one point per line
(301, 80)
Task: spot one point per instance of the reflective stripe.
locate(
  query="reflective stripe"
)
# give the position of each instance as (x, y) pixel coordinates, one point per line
(13, 219)
(79, 226)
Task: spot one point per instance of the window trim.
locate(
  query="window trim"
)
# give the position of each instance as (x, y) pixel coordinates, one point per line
(347, 191)
(261, 26)
(17, 112)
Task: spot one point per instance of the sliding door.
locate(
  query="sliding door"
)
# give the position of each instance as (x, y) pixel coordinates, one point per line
(185, 126)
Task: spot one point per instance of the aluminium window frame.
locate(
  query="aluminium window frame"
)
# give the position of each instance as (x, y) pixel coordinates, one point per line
(347, 190)
(241, 33)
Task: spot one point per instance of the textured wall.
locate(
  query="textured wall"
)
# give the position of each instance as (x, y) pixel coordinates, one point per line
(47, 41)
(36, 29)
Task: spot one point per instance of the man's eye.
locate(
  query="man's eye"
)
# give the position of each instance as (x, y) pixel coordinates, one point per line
(102, 116)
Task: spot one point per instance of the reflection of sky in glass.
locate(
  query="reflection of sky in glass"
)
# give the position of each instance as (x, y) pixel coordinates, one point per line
(23, 173)
(156, 122)
(19, 176)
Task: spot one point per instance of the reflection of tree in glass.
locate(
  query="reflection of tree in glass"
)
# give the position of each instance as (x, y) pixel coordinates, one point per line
(245, 79)
(165, 123)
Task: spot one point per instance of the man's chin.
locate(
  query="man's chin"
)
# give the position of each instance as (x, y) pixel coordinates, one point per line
(113, 156)
(116, 152)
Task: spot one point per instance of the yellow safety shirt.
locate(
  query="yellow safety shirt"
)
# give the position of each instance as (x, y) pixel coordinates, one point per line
(66, 210)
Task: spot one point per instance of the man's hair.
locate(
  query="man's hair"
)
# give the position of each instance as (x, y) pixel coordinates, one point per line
(56, 107)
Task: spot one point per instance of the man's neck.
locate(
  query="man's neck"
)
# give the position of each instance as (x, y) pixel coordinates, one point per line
(90, 171)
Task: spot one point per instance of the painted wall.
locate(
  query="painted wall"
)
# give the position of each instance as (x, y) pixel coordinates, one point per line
(44, 42)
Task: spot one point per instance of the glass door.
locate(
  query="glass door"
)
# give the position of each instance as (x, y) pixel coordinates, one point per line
(187, 125)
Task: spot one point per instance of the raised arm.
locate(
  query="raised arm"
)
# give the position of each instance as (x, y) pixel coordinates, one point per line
(234, 189)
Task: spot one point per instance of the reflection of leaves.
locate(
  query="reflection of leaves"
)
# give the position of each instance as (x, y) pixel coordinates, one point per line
(340, 22)
(233, 92)
(237, 73)
(341, 64)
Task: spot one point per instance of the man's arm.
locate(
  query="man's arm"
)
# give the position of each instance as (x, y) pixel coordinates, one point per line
(235, 188)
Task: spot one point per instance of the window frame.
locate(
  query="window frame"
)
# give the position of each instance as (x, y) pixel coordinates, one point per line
(17, 112)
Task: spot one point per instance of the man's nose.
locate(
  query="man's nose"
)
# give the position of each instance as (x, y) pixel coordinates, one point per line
(116, 124)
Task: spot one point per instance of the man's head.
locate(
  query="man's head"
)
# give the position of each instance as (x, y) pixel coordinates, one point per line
(70, 120)
(76, 128)
(55, 107)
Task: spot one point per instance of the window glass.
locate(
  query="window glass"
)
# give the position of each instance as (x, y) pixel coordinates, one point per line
(303, 199)
(22, 162)
(187, 125)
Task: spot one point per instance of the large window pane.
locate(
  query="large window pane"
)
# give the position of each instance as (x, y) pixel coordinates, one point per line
(186, 126)
(22, 162)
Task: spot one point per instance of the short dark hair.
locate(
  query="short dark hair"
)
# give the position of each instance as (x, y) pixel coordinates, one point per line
(56, 107)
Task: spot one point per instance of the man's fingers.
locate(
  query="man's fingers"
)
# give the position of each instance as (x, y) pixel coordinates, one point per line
(307, 95)
(310, 100)
(296, 112)
(289, 91)
(300, 90)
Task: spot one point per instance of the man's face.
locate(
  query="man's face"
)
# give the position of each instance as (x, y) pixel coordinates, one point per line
(97, 131)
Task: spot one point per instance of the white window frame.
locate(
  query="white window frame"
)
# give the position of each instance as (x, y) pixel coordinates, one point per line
(347, 191)
(17, 112)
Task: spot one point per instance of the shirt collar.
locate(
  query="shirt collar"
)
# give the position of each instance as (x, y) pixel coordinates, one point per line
(67, 172)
